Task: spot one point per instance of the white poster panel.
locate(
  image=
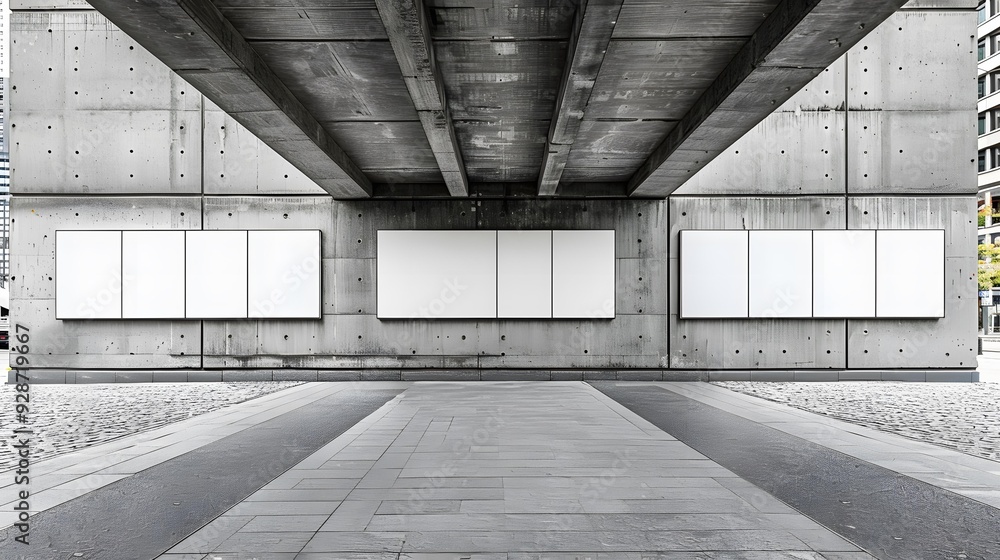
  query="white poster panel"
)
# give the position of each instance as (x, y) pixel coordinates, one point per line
(714, 269)
(431, 274)
(153, 274)
(524, 274)
(284, 274)
(909, 273)
(216, 274)
(583, 274)
(844, 273)
(88, 274)
(781, 274)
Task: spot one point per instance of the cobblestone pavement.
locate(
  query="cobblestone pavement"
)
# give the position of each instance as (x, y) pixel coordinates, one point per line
(65, 418)
(961, 416)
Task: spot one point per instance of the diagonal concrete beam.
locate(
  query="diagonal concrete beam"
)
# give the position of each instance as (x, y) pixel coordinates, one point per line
(406, 24)
(592, 30)
(792, 46)
(196, 41)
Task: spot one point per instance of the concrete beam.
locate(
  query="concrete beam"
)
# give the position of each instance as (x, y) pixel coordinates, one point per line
(406, 24)
(196, 41)
(592, 29)
(794, 44)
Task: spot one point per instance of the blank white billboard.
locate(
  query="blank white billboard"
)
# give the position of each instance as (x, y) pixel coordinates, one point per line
(843, 273)
(714, 267)
(432, 274)
(153, 274)
(88, 274)
(909, 267)
(780, 274)
(524, 274)
(284, 274)
(216, 274)
(583, 274)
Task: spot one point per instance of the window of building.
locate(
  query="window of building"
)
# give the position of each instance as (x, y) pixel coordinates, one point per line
(981, 10)
(982, 160)
(982, 87)
(982, 124)
(982, 49)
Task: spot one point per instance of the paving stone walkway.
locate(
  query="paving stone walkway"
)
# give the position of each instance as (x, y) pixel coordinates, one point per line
(509, 471)
(67, 418)
(961, 416)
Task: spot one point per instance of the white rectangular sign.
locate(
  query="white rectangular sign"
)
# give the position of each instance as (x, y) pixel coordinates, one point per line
(714, 281)
(909, 268)
(843, 273)
(88, 274)
(284, 274)
(216, 274)
(583, 274)
(153, 274)
(431, 274)
(524, 274)
(780, 273)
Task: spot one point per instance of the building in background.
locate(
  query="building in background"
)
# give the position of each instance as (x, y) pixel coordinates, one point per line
(988, 91)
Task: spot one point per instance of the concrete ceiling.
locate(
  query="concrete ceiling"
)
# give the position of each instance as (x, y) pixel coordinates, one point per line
(498, 97)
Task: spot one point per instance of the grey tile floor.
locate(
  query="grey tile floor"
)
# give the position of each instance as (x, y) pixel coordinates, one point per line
(515, 471)
(59, 479)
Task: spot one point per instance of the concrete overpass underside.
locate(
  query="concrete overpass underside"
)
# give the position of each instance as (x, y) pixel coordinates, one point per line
(537, 97)
(646, 117)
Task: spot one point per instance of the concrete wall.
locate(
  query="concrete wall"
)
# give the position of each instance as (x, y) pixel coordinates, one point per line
(106, 137)
(884, 138)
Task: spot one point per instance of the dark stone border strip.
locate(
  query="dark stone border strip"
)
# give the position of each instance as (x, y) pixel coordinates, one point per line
(70, 376)
(146, 514)
(892, 516)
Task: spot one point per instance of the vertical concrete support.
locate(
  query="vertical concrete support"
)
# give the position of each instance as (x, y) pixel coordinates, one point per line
(865, 139)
